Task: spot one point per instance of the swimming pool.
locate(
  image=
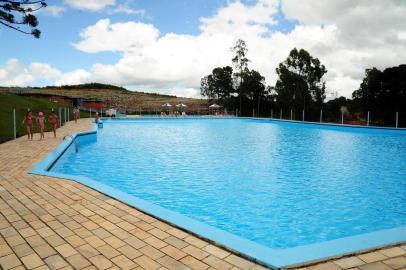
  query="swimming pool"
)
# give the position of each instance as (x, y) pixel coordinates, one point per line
(281, 186)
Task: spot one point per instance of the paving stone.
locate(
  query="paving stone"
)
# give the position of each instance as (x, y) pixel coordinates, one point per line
(146, 262)
(78, 261)
(44, 251)
(349, 262)
(173, 252)
(56, 262)
(194, 263)
(216, 251)
(66, 250)
(396, 262)
(375, 266)
(123, 262)
(5, 250)
(32, 261)
(393, 252)
(9, 261)
(101, 262)
(108, 251)
(372, 257)
(23, 250)
(325, 266)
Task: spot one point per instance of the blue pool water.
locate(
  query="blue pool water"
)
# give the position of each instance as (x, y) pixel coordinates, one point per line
(278, 184)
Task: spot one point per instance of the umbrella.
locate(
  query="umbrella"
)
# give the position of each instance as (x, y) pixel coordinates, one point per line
(214, 106)
(181, 105)
(166, 105)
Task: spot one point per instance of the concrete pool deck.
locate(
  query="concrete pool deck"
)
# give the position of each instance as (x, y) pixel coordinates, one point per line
(49, 223)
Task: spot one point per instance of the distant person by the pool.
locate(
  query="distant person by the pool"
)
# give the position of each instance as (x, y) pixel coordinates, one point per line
(29, 121)
(41, 123)
(53, 119)
(96, 118)
(76, 114)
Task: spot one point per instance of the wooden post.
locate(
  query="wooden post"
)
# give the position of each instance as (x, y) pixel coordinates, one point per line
(14, 124)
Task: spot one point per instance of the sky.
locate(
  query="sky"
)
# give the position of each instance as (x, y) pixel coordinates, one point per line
(167, 46)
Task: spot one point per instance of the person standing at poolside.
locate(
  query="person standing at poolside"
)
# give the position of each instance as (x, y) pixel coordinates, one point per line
(76, 114)
(53, 119)
(96, 118)
(40, 123)
(29, 121)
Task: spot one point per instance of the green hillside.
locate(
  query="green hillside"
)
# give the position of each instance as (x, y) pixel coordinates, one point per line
(21, 104)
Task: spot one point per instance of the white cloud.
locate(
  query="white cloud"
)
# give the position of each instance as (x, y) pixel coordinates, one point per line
(54, 11)
(104, 36)
(75, 77)
(13, 73)
(126, 8)
(90, 5)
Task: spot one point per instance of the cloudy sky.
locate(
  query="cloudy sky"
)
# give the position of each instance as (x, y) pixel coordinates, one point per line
(167, 46)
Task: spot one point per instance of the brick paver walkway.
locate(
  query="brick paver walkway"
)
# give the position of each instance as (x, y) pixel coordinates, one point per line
(48, 223)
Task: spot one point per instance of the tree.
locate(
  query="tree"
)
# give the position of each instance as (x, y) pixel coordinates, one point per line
(240, 62)
(383, 93)
(300, 80)
(219, 84)
(19, 13)
(254, 86)
(367, 95)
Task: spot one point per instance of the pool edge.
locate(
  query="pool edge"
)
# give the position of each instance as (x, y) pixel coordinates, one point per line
(273, 258)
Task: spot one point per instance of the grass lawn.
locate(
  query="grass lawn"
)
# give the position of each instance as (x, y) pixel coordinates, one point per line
(21, 104)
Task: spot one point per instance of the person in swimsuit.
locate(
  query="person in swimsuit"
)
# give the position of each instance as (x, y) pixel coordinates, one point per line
(40, 123)
(96, 117)
(53, 119)
(76, 114)
(29, 121)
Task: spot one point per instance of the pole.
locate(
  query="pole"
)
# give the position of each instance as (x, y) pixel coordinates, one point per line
(303, 115)
(321, 116)
(14, 124)
(64, 112)
(60, 118)
(291, 114)
(271, 113)
(368, 119)
(342, 117)
(280, 116)
(397, 119)
(253, 112)
(68, 115)
(90, 112)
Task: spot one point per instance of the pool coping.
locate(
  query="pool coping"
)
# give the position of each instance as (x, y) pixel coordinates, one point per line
(273, 258)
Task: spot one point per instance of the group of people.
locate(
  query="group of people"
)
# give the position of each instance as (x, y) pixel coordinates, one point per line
(40, 120)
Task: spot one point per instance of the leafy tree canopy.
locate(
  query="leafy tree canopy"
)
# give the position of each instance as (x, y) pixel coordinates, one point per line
(18, 15)
(300, 80)
(219, 84)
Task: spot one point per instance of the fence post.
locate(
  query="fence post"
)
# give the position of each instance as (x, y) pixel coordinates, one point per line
(271, 113)
(303, 115)
(14, 124)
(280, 116)
(342, 118)
(60, 118)
(90, 112)
(321, 116)
(368, 119)
(64, 111)
(397, 119)
(291, 114)
(253, 112)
